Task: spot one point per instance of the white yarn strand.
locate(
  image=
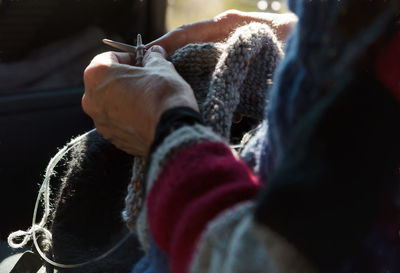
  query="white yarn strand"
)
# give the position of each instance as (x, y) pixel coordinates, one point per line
(44, 193)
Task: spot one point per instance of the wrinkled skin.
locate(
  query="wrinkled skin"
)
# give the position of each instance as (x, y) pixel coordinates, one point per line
(126, 102)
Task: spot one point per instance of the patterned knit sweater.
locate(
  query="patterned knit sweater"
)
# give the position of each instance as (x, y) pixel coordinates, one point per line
(323, 198)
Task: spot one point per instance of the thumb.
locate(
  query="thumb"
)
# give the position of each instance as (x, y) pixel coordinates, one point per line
(154, 54)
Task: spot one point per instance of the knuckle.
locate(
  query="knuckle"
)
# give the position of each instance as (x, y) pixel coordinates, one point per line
(169, 66)
(88, 74)
(183, 27)
(94, 72)
(230, 14)
(155, 60)
(85, 103)
(98, 67)
(183, 31)
(90, 107)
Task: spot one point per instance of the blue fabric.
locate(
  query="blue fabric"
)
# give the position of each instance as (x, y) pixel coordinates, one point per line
(143, 266)
(155, 262)
(319, 76)
(319, 60)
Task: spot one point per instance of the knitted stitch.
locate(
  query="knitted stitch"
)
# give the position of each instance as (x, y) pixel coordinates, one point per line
(185, 197)
(242, 74)
(227, 78)
(181, 138)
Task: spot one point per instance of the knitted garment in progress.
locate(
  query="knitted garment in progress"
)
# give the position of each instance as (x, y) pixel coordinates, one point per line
(227, 78)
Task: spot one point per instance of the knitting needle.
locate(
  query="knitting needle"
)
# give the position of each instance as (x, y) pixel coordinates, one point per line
(120, 46)
(138, 49)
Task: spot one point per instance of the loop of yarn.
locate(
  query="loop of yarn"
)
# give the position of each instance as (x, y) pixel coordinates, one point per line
(14, 237)
(44, 193)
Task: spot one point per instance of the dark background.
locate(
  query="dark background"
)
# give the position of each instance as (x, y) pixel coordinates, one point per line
(35, 124)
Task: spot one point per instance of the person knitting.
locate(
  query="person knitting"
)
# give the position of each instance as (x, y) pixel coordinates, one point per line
(323, 194)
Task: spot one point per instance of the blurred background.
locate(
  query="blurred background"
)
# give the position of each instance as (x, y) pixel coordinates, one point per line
(180, 12)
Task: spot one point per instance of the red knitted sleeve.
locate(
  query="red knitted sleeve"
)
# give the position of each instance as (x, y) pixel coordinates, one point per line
(197, 184)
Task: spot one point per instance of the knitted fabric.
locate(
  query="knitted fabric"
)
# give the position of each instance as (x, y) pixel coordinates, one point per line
(177, 226)
(227, 78)
(233, 76)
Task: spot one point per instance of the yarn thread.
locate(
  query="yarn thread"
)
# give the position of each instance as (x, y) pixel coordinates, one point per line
(44, 196)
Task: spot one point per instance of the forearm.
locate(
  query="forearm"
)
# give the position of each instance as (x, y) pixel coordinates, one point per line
(220, 27)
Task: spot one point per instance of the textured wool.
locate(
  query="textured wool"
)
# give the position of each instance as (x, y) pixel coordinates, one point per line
(193, 216)
(332, 142)
(227, 78)
(179, 139)
(88, 193)
(230, 77)
(196, 191)
(233, 242)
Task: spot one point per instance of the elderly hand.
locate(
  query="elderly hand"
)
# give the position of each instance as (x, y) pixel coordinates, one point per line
(221, 26)
(126, 102)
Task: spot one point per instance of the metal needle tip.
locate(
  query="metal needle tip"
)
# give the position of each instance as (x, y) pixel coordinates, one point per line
(120, 46)
(139, 41)
(139, 50)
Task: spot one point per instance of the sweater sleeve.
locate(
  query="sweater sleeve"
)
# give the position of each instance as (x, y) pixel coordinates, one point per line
(192, 177)
(199, 206)
(194, 186)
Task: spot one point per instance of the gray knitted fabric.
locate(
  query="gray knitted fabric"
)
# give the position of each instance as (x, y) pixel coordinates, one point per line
(233, 76)
(227, 78)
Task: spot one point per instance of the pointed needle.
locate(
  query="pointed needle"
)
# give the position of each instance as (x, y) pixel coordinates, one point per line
(120, 46)
(139, 50)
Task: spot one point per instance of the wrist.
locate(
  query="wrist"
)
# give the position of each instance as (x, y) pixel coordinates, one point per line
(180, 101)
(171, 120)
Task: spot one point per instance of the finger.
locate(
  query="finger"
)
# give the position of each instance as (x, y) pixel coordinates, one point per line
(124, 57)
(85, 103)
(154, 55)
(171, 41)
(197, 32)
(99, 67)
(112, 57)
